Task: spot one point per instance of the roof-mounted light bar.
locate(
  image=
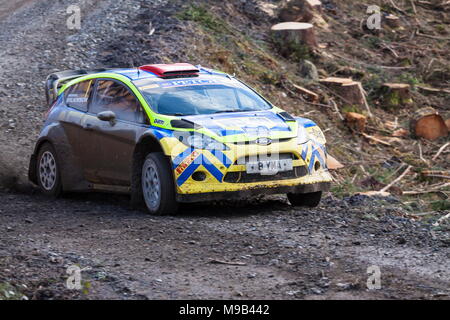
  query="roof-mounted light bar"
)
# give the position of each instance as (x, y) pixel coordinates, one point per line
(174, 70)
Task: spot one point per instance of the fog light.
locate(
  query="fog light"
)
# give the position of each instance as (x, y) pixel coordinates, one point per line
(199, 176)
(317, 166)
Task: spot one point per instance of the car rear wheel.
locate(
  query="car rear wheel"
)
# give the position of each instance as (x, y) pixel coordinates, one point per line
(157, 185)
(48, 172)
(305, 199)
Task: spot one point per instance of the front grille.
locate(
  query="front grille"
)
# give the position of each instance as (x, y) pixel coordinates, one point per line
(244, 177)
(281, 156)
(255, 141)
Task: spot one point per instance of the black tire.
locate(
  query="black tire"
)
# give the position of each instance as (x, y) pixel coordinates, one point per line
(48, 171)
(165, 202)
(305, 199)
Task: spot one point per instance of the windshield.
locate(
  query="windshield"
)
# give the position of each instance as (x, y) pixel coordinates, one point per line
(171, 98)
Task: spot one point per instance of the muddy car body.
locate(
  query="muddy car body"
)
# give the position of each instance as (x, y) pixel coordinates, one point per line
(174, 133)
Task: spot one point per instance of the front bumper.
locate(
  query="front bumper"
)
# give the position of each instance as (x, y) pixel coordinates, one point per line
(225, 175)
(247, 193)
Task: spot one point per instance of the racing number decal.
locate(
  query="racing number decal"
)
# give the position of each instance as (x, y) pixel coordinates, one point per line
(187, 162)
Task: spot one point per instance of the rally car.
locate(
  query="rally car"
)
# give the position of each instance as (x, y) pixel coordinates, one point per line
(172, 133)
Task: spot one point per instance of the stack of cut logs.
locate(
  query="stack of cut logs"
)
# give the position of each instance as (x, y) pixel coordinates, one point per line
(299, 17)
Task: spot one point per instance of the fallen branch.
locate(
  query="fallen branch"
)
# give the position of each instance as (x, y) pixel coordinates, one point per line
(337, 109)
(433, 189)
(397, 8)
(371, 65)
(312, 95)
(441, 219)
(430, 36)
(433, 90)
(363, 93)
(421, 155)
(440, 151)
(231, 263)
(376, 139)
(397, 180)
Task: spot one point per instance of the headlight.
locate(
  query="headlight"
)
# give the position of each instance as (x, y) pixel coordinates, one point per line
(302, 136)
(199, 141)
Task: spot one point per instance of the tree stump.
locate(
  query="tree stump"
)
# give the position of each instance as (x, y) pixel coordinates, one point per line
(396, 94)
(346, 89)
(356, 121)
(300, 10)
(447, 122)
(294, 33)
(427, 123)
(392, 21)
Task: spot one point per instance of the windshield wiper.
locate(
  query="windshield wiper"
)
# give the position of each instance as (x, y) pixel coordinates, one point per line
(228, 111)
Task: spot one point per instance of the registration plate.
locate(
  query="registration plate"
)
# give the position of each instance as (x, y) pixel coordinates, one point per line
(270, 167)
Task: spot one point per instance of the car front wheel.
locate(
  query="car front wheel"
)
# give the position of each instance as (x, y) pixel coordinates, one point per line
(157, 185)
(305, 199)
(48, 172)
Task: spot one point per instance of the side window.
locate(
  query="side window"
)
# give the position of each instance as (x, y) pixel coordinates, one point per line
(77, 96)
(113, 96)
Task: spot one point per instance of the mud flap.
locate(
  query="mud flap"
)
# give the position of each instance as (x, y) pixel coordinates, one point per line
(32, 174)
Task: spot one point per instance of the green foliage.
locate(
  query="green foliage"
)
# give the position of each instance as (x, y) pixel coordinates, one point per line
(8, 292)
(351, 108)
(292, 49)
(410, 79)
(374, 42)
(440, 205)
(202, 16)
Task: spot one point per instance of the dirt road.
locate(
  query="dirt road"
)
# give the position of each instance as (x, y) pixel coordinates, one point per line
(257, 249)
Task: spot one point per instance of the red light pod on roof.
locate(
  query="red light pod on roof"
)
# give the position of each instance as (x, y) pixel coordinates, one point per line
(171, 70)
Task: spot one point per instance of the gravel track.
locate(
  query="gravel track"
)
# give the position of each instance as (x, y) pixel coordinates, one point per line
(278, 252)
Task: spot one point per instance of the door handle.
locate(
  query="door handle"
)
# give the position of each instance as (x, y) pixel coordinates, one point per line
(88, 127)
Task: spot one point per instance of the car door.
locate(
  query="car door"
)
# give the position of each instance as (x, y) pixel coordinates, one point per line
(76, 99)
(114, 139)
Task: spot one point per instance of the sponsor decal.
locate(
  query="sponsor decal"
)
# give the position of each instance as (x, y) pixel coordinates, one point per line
(190, 82)
(158, 121)
(187, 162)
(264, 141)
(150, 86)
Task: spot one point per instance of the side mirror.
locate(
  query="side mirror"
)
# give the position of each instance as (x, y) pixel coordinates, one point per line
(107, 116)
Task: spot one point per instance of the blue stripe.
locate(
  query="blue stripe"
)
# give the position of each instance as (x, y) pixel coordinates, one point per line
(179, 158)
(212, 169)
(305, 151)
(310, 124)
(188, 172)
(222, 158)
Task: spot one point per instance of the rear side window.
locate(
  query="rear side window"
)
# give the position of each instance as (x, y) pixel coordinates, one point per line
(113, 96)
(77, 96)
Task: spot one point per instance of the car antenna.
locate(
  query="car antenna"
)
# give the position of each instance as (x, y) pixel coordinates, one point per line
(138, 70)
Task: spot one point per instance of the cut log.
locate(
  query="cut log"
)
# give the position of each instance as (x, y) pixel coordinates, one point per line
(355, 121)
(447, 122)
(333, 164)
(427, 123)
(396, 94)
(300, 10)
(346, 89)
(295, 33)
(392, 21)
(308, 94)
